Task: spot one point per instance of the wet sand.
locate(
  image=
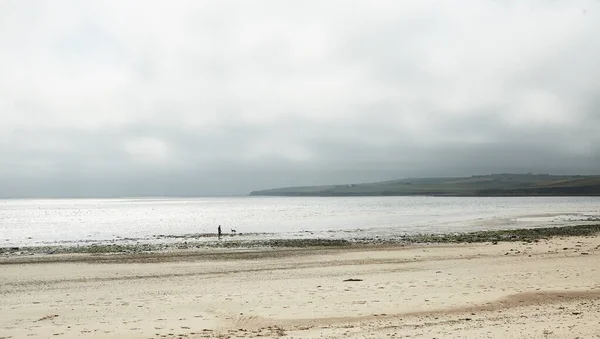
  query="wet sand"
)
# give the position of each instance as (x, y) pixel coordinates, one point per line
(545, 289)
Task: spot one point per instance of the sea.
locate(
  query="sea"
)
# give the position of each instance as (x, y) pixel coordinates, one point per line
(41, 222)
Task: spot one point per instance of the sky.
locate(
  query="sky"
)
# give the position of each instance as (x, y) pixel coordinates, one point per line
(182, 98)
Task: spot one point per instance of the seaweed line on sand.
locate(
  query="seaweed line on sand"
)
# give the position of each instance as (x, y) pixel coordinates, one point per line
(525, 235)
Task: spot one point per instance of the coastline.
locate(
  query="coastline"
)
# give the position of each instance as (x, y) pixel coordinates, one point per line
(547, 287)
(263, 241)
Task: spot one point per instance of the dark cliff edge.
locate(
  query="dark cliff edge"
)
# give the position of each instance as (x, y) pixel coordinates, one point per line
(591, 190)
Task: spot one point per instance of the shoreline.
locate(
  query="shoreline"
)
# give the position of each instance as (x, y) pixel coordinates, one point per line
(527, 235)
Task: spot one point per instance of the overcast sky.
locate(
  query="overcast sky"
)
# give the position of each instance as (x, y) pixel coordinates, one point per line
(138, 98)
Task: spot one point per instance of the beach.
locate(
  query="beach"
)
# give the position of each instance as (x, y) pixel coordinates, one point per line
(542, 289)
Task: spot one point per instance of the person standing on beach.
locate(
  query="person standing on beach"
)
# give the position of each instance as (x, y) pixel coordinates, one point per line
(219, 231)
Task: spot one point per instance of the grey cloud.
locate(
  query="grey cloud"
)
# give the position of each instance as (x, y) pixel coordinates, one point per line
(200, 97)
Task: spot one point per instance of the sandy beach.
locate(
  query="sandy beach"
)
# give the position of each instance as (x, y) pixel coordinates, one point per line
(545, 289)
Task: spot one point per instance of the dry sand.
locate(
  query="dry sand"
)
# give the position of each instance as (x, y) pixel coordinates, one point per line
(549, 289)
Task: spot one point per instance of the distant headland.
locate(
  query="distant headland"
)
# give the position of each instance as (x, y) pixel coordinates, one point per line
(478, 185)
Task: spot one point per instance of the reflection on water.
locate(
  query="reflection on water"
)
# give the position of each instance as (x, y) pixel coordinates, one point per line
(35, 222)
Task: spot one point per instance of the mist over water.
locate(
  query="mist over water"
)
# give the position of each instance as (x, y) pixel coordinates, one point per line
(26, 222)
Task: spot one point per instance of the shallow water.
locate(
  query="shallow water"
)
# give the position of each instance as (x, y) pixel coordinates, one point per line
(26, 222)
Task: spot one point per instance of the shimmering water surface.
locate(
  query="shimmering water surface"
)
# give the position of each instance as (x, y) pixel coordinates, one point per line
(39, 222)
